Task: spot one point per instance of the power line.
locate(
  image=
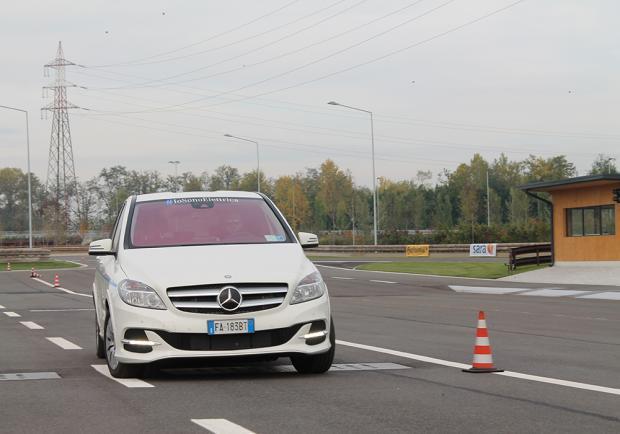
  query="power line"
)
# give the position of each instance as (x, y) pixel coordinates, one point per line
(256, 35)
(282, 74)
(163, 81)
(385, 117)
(387, 139)
(266, 141)
(217, 35)
(376, 59)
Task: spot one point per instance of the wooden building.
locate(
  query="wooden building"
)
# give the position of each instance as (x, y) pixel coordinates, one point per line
(585, 217)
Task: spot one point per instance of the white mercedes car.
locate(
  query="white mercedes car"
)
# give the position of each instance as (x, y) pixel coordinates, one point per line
(208, 274)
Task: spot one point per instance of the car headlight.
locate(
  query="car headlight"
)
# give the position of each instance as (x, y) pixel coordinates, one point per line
(309, 288)
(140, 295)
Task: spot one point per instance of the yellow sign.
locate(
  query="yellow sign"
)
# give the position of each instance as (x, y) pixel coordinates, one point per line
(418, 250)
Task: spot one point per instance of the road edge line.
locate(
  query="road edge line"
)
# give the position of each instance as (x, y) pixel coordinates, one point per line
(132, 383)
(221, 426)
(548, 380)
(405, 274)
(68, 291)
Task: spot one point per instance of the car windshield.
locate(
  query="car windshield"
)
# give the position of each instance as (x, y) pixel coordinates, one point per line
(205, 220)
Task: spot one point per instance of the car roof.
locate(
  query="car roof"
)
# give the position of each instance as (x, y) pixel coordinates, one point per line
(219, 193)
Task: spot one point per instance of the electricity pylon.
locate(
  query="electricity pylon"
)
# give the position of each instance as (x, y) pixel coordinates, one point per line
(61, 181)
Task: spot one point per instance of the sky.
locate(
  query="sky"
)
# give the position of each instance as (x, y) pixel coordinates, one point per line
(165, 80)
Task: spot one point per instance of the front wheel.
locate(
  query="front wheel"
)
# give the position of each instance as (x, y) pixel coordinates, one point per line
(318, 363)
(118, 369)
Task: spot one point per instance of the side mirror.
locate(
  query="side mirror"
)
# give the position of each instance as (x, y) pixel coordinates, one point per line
(308, 240)
(101, 247)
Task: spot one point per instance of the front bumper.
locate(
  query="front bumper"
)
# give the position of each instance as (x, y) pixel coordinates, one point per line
(167, 328)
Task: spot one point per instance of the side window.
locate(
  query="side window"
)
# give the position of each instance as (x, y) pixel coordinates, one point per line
(116, 232)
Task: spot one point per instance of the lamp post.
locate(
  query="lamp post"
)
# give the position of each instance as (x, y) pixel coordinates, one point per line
(257, 157)
(29, 182)
(609, 160)
(374, 179)
(176, 165)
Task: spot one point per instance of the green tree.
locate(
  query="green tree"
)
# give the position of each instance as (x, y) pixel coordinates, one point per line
(192, 182)
(14, 199)
(603, 165)
(291, 200)
(224, 178)
(334, 193)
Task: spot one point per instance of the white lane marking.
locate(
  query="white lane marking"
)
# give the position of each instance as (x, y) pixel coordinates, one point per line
(559, 382)
(221, 426)
(603, 296)
(382, 281)
(343, 278)
(404, 274)
(68, 291)
(405, 355)
(426, 359)
(12, 314)
(341, 261)
(32, 325)
(545, 292)
(366, 366)
(75, 262)
(555, 292)
(2, 307)
(127, 382)
(64, 344)
(486, 289)
(58, 310)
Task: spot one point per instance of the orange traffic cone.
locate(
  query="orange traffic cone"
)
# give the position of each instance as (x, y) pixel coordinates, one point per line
(8, 266)
(56, 281)
(483, 356)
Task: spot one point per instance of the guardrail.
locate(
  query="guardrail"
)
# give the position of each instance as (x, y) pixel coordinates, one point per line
(400, 248)
(24, 255)
(529, 255)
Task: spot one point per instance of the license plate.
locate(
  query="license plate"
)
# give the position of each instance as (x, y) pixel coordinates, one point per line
(232, 326)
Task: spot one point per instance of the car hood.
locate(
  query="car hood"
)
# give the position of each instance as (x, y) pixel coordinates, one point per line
(163, 268)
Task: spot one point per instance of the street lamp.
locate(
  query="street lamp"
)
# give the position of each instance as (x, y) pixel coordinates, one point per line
(176, 165)
(257, 157)
(29, 184)
(609, 160)
(374, 180)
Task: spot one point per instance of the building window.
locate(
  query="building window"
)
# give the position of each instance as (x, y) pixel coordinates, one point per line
(595, 220)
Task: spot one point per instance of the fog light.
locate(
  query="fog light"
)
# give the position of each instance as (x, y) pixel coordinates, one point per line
(139, 343)
(315, 335)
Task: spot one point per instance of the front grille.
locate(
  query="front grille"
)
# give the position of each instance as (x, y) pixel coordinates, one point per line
(203, 298)
(205, 342)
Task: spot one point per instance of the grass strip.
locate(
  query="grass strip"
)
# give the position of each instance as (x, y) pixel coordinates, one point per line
(485, 270)
(38, 265)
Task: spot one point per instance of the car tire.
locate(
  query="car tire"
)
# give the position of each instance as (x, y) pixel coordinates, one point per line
(318, 363)
(118, 369)
(99, 342)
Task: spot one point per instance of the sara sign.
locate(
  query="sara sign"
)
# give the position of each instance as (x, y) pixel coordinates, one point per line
(483, 250)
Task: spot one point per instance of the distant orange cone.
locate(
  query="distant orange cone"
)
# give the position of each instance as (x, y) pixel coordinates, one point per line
(483, 356)
(8, 266)
(56, 281)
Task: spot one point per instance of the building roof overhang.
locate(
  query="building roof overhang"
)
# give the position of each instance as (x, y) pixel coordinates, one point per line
(571, 183)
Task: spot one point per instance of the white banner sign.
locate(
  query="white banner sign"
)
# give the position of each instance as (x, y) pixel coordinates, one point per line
(483, 250)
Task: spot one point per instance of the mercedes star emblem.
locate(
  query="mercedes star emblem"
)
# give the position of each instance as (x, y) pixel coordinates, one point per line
(229, 298)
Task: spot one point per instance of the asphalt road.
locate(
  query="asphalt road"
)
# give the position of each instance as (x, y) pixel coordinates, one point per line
(416, 323)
